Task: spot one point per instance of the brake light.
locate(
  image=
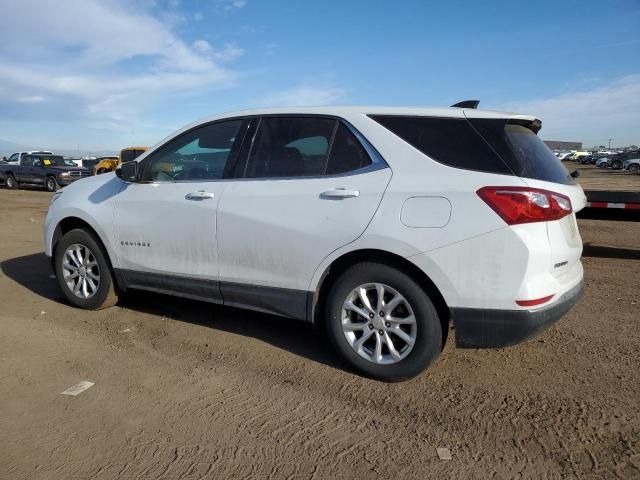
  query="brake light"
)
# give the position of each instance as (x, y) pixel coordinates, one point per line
(517, 205)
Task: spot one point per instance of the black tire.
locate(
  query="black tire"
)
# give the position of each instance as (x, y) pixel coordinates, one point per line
(102, 170)
(105, 294)
(11, 182)
(616, 165)
(428, 336)
(634, 167)
(50, 184)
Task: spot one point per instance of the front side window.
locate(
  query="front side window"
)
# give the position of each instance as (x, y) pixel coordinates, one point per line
(27, 161)
(290, 147)
(13, 158)
(199, 154)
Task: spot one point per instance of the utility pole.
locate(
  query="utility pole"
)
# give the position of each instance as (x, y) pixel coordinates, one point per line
(610, 143)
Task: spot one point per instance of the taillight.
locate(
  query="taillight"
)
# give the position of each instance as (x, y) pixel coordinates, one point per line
(526, 205)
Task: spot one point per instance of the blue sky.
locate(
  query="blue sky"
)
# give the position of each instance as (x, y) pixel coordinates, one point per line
(109, 73)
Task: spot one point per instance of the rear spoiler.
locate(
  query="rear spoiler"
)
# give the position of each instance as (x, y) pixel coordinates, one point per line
(467, 104)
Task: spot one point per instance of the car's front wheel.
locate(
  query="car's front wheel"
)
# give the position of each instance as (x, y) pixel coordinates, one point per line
(382, 323)
(616, 165)
(83, 271)
(634, 167)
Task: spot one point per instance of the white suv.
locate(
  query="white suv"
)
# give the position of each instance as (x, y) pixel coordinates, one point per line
(380, 224)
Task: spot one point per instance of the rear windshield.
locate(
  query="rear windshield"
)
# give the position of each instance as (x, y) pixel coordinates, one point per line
(485, 145)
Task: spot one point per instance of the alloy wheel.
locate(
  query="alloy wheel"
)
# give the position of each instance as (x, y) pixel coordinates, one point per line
(379, 323)
(80, 271)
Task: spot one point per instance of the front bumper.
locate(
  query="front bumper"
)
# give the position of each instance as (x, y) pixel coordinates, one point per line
(484, 328)
(64, 181)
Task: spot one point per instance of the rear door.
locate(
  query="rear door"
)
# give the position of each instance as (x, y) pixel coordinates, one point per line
(309, 187)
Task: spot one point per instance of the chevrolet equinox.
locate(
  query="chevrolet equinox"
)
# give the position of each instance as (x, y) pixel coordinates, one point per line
(383, 225)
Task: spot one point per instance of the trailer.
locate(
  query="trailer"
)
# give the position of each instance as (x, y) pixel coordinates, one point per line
(607, 188)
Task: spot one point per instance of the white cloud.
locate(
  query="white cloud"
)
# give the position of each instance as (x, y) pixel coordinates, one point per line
(590, 116)
(31, 99)
(228, 53)
(235, 4)
(305, 95)
(107, 59)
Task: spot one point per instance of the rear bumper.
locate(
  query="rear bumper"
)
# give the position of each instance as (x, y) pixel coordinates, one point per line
(484, 328)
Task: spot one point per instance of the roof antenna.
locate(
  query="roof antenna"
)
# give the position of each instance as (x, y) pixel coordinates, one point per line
(467, 104)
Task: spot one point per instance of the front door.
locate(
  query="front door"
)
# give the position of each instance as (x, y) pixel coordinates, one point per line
(309, 188)
(165, 225)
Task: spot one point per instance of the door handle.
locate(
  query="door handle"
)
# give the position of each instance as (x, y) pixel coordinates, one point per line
(339, 194)
(199, 195)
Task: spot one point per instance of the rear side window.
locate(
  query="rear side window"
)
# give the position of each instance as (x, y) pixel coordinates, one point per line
(290, 147)
(522, 150)
(347, 154)
(452, 141)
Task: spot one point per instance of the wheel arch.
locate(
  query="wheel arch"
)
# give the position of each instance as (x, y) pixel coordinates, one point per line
(72, 223)
(317, 299)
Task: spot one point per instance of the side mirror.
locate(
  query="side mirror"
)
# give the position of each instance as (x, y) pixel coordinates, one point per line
(128, 171)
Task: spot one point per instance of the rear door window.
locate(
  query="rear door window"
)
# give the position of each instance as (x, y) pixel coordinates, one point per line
(290, 147)
(347, 153)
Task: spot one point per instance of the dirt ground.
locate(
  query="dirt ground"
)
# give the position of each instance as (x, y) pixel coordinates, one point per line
(198, 391)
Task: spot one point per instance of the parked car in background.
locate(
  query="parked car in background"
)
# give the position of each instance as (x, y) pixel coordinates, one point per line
(578, 155)
(617, 161)
(585, 159)
(77, 161)
(565, 155)
(48, 171)
(109, 164)
(633, 165)
(15, 157)
(381, 224)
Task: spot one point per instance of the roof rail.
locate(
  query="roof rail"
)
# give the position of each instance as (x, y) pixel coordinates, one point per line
(467, 104)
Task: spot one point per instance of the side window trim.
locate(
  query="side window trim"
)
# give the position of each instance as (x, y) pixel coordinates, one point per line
(330, 148)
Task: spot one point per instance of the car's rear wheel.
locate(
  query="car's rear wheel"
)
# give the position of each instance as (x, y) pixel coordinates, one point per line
(11, 182)
(382, 323)
(634, 167)
(83, 271)
(616, 164)
(102, 170)
(50, 184)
